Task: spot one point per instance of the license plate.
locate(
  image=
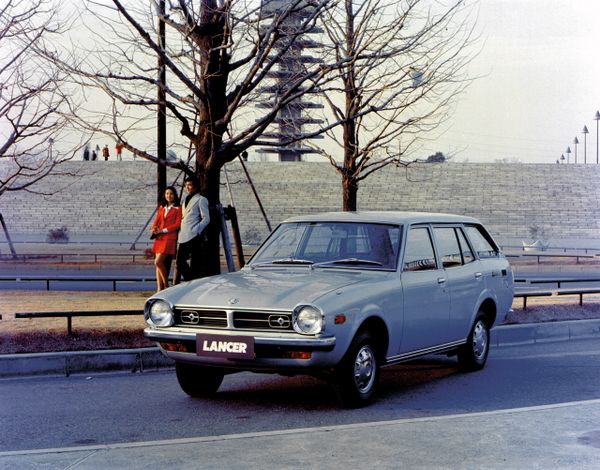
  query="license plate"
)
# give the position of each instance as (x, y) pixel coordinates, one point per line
(229, 347)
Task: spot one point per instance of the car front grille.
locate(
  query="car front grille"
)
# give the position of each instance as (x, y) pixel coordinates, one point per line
(207, 318)
(262, 321)
(234, 319)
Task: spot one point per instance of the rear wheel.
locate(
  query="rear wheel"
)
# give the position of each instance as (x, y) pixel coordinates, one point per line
(357, 376)
(198, 381)
(473, 355)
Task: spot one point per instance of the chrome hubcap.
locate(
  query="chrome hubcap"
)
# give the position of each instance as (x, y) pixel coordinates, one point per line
(364, 369)
(480, 340)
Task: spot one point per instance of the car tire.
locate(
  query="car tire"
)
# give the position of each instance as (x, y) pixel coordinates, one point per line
(198, 381)
(473, 354)
(357, 375)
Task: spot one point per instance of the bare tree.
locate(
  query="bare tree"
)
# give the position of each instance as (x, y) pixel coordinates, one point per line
(32, 96)
(217, 53)
(408, 64)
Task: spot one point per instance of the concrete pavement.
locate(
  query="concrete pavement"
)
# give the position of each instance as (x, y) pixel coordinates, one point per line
(556, 436)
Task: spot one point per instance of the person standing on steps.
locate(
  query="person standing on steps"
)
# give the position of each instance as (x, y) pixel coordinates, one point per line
(195, 219)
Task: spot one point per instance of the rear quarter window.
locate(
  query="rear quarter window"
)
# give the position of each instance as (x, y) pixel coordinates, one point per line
(481, 241)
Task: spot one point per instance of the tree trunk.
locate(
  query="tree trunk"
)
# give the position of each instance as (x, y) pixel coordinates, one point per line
(214, 70)
(209, 188)
(349, 192)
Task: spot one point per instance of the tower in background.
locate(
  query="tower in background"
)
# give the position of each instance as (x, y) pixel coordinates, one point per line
(293, 118)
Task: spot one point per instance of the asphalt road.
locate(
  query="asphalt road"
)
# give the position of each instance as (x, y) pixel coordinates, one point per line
(59, 412)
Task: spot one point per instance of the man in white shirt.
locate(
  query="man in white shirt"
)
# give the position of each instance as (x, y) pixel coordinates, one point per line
(195, 219)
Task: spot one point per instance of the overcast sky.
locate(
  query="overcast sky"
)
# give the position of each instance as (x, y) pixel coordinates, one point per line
(541, 83)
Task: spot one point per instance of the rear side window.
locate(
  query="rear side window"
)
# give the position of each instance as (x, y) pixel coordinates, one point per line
(467, 254)
(419, 254)
(481, 241)
(448, 247)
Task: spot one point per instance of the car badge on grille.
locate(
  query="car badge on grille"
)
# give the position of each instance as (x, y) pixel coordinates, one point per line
(233, 301)
(279, 321)
(190, 317)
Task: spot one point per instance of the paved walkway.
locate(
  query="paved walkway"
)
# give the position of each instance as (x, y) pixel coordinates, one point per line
(561, 436)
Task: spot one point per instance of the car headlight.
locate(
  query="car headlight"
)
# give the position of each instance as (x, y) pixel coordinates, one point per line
(308, 320)
(158, 313)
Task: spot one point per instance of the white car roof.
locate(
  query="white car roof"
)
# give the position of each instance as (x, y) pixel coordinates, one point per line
(390, 217)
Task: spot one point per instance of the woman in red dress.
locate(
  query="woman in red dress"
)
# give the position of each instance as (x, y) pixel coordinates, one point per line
(164, 231)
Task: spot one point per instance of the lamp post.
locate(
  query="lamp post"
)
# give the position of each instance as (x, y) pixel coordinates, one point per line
(161, 121)
(50, 143)
(597, 118)
(585, 133)
(568, 154)
(576, 142)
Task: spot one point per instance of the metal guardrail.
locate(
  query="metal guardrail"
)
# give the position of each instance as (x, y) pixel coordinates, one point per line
(71, 257)
(540, 255)
(48, 279)
(69, 315)
(525, 294)
(524, 291)
(563, 249)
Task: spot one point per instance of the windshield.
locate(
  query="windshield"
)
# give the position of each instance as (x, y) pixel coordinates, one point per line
(338, 244)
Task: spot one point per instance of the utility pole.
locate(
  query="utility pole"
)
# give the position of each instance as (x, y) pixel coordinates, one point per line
(161, 125)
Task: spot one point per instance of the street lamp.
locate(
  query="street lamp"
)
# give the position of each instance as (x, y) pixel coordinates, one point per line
(597, 118)
(50, 143)
(575, 142)
(585, 133)
(568, 154)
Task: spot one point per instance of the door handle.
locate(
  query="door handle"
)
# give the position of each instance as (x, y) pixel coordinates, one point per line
(478, 275)
(441, 280)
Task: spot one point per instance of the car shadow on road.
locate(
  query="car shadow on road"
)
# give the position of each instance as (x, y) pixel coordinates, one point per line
(312, 394)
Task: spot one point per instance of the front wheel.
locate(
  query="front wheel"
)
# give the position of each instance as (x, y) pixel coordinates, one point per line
(473, 355)
(198, 381)
(357, 375)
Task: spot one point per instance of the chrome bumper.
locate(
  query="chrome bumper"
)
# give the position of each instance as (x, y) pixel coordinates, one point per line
(315, 344)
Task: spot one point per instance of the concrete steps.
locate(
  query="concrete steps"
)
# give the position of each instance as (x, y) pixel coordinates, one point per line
(113, 200)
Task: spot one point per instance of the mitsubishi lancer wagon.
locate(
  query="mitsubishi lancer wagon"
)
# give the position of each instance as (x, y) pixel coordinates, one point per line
(339, 296)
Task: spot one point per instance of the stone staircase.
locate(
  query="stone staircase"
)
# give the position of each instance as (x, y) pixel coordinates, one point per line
(114, 200)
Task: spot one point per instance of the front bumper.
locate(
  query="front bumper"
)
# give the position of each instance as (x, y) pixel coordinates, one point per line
(272, 352)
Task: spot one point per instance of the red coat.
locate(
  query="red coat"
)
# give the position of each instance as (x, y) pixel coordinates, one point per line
(167, 242)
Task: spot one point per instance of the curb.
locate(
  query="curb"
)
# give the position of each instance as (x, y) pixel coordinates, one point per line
(151, 359)
(546, 332)
(73, 362)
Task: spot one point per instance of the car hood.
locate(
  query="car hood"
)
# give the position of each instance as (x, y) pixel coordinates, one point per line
(262, 288)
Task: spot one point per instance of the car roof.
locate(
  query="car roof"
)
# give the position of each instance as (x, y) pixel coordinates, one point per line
(391, 217)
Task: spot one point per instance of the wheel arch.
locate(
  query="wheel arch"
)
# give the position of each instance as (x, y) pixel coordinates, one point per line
(377, 327)
(489, 309)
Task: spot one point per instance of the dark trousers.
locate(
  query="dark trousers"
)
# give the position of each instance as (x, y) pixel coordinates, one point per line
(192, 251)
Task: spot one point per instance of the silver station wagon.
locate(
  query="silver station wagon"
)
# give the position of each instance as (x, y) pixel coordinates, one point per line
(338, 296)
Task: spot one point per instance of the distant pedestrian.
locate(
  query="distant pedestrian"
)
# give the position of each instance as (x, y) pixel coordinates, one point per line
(119, 150)
(105, 153)
(195, 219)
(164, 231)
(86, 153)
(94, 155)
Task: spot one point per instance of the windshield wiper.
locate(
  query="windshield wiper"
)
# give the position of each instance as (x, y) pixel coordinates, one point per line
(292, 261)
(351, 261)
(284, 261)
